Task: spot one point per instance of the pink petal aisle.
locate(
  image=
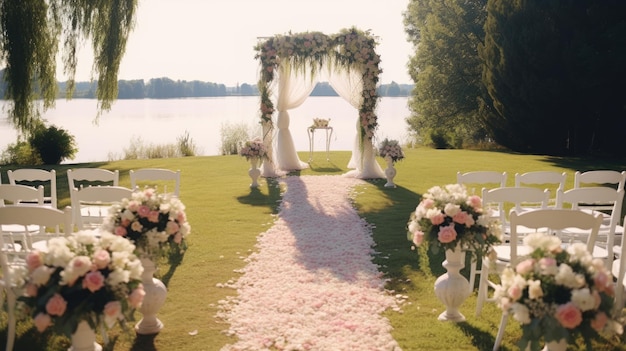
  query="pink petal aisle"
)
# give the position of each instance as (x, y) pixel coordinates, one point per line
(311, 283)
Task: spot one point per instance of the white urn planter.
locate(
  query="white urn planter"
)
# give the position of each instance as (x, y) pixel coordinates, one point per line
(254, 172)
(84, 338)
(452, 288)
(390, 172)
(154, 299)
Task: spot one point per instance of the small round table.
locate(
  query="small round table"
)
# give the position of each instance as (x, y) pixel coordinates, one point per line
(311, 133)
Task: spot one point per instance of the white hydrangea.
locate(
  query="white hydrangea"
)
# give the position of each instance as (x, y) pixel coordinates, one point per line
(583, 299)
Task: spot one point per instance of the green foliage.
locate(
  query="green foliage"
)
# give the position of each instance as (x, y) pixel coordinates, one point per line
(233, 136)
(553, 74)
(20, 153)
(186, 145)
(30, 43)
(446, 68)
(137, 149)
(53, 144)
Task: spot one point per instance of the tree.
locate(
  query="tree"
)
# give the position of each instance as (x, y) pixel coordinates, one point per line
(554, 74)
(29, 43)
(446, 67)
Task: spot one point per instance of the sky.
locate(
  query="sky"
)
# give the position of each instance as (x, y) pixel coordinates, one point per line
(213, 40)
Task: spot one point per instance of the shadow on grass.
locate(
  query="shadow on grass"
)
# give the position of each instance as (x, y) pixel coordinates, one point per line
(257, 198)
(175, 259)
(144, 343)
(332, 168)
(482, 339)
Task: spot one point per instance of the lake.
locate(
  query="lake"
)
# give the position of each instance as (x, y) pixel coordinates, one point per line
(163, 121)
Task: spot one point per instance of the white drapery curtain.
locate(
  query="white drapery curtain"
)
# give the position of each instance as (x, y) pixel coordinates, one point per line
(349, 85)
(294, 87)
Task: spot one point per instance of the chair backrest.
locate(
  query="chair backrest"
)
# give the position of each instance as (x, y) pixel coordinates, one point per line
(585, 199)
(79, 177)
(554, 219)
(514, 199)
(610, 178)
(91, 205)
(618, 269)
(16, 194)
(35, 177)
(482, 178)
(156, 177)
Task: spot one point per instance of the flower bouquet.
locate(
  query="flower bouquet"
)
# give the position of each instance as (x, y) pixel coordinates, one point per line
(320, 123)
(254, 148)
(391, 149)
(153, 222)
(558, 294)
(447, 217)
(83, 278)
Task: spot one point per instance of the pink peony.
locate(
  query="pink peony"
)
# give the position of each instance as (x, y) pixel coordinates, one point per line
(525, 267)
(93, 281)
(34, 260)
(447, 234)
(437, 219)
(56, 305)
(569, 315)
(101, 259)
(42, 322)
(599, 321)
(136, 297)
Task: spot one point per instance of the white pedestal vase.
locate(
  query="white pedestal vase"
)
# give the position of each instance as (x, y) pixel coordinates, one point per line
(390, 173)
(152, 301)
(254, 172)
(452, 288)
(84, 338)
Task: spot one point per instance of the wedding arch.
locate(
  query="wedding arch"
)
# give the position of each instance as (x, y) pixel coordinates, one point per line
(291, 64)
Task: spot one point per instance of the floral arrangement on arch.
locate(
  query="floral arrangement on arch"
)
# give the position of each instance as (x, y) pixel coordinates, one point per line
(320, 122)
(446, 217)
(83, 278)
(254, 148)
(155, 223)
(558, 293)
(391, 149)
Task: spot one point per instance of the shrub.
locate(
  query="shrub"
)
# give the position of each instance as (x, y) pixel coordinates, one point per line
(186, 146)
(53, 144)
(139, 150)
(20, 153)
(233, 136)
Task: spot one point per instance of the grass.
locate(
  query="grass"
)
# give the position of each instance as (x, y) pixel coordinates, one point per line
(226, 216)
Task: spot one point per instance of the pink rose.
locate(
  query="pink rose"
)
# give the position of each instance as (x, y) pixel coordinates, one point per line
(428, 203)
(34, 260)
(601, 281)
(181, 218)
(437, 219)
(569, 315)
(475, 201)
(56, 305)
(515, 292)
(93, 281)
(178, 238)
(125, 222)
(42, 322)
(547, 265)
(133, 206)
(525, 267)
(112, 309)
(136, 297)
(153, 216)
(418, 237)
(31, 290)
(143, 211)
(120, 231)
(172, 227)
(599, 321)
(447, 234)
(463, 218)
(101, 258)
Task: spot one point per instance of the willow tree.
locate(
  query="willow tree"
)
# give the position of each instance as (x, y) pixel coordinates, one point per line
(32, 31)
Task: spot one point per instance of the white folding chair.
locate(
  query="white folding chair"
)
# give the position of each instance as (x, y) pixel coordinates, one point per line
(35, 177)
(610, 232)
(12, 257)
(509, 200)
(156, 177)
(81, 177)
(90, 205)
(614, 179)
(551, 180)
(480, 180)
(618, 268)
(15, 195)
(543, 220)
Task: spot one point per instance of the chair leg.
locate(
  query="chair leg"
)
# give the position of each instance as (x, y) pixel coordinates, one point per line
(483, 284)
(500, 335)
(472, 275)
(11, 301)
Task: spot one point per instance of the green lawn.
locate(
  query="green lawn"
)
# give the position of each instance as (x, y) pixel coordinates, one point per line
(226, 216)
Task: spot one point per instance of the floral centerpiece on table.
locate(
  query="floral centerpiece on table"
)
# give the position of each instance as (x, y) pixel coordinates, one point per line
(83, 278)
(558, 293)
(153, 222)
(391, 149)
(320, 122)
(447, 217)
(254, 148)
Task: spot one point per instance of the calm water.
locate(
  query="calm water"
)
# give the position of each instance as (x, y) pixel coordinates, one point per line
(163, 121)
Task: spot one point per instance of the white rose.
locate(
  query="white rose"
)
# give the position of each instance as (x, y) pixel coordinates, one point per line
(520, 313)
(451, 209)
(135, 269)
(118, 276)
(41, 275)
(583, 299)
(534, 289)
